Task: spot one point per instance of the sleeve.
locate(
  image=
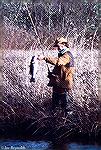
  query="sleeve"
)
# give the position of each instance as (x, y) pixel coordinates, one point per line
(63, 60)
(51, 60)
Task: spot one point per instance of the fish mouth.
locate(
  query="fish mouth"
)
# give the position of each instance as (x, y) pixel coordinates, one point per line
(32, 80)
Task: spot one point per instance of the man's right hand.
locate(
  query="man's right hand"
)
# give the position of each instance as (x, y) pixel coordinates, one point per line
(41, 58)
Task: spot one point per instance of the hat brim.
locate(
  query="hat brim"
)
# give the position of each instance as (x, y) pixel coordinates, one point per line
(55, 45)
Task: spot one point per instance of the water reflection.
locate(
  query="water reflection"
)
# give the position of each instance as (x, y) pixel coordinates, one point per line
(59, 147)
(41, 145)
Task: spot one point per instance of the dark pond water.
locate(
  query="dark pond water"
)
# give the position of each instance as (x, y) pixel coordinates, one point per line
(41, 145)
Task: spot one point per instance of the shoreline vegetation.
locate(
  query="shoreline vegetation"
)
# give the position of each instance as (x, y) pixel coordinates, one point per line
(25, 108)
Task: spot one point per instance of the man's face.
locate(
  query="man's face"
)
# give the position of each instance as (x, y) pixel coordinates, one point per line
(60, 46)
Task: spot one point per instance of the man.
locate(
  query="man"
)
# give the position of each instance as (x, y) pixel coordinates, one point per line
(61, 78)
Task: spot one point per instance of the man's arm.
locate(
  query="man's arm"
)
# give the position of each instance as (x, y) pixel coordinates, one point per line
(63, 60)
(51, 60)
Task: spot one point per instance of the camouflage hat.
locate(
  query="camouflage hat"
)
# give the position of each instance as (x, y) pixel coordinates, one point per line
(60, 40)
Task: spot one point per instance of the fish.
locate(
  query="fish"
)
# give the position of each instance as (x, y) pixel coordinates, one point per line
(33, 68)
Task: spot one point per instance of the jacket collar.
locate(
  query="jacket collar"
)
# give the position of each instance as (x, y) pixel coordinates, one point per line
(63, 51)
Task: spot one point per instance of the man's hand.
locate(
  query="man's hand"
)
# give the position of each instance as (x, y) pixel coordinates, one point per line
(41, 58)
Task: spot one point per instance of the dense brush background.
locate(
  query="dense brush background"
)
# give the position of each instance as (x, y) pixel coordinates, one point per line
(25, 107)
